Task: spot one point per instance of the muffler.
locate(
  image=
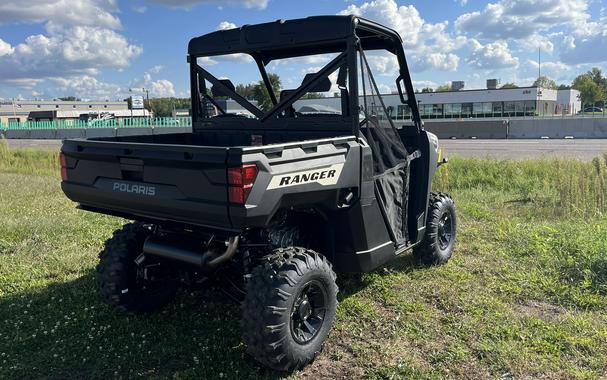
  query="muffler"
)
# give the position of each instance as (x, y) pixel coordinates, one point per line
(207, 259)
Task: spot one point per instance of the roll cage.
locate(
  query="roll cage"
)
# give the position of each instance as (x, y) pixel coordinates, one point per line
(344, 35)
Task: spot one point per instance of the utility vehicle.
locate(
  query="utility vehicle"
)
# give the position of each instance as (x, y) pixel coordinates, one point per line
(271, 204)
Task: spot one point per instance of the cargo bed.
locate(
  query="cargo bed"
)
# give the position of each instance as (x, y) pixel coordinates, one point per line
(173, 178)
(184, 183)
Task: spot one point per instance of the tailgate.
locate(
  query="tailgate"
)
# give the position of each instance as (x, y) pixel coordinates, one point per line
(179, 183)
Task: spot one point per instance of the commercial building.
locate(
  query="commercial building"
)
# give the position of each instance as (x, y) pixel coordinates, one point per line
(483, 103)
(18, 111)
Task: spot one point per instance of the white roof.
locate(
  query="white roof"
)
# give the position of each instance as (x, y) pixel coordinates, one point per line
(75, 114)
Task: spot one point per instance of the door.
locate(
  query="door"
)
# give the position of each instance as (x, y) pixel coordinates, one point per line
(390, 157)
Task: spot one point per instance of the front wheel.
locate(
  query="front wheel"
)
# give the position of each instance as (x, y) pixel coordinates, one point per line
(437, 245)
(289, 308)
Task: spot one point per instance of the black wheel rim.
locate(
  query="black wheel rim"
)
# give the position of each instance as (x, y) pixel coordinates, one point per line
(308, 312)
(445, 230)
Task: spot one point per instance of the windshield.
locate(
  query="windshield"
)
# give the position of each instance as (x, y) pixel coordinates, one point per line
(309, 86)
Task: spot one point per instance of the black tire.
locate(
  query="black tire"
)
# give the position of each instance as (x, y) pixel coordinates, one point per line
(117, 274)
(438, 243)
(279, 294)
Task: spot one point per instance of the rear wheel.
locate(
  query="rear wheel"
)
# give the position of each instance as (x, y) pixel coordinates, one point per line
(438, 243)
(289, 308)
(125, 285)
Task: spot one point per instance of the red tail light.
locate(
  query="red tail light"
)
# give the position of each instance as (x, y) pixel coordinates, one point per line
(63, 164)
(240, 181)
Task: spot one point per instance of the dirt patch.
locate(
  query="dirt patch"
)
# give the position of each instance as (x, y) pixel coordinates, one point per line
(337, 361)
(541, 310)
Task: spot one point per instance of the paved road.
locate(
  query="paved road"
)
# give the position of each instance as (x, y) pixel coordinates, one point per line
(35, 144)
(581, 149)
(517, 149)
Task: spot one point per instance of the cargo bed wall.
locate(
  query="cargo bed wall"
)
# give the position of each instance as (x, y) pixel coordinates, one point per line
(224, 138)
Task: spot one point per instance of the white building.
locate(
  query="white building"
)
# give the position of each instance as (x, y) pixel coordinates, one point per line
(16, 111)
(523, 101)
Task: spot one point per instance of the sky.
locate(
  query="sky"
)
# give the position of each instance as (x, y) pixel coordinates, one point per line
(99, 49)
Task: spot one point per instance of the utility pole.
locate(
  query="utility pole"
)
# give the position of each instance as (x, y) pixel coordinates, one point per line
(539, 62)
(147, 95)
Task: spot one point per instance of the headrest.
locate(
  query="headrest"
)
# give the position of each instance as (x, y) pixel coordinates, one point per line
(323, 86)
(217, 91)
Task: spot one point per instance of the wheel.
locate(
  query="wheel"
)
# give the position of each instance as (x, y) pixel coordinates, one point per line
(289, 308)
(122, 282)
(437, 245)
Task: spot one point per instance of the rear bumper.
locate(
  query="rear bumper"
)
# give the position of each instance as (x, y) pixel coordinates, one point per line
(145, 207)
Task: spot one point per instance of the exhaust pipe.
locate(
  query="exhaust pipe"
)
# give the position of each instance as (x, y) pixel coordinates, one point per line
(208, 259)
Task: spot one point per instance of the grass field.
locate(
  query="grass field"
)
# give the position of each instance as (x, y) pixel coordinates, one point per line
(525, 295)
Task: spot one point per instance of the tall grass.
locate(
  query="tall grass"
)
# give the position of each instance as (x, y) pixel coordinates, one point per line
(28, 161)
(553, 187)
(548, 186)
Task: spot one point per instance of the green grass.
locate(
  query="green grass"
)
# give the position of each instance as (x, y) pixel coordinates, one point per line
(525, 295)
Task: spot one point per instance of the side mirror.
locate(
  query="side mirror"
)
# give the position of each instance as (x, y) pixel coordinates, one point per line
(399, 86)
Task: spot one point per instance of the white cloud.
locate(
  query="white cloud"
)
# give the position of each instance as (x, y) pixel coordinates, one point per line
(158, 88)
(534, 42)
(514, 19)
(139, 8)
(206, 61)
(162, 88)
(439, 61)
(156, 69)
(188, 4)
(225, 25)
(89, 87)
(587, 44)
(68, 51)
(383, 64)
(405, 19)
(80, 39)
(419, 84)
(73, 12)
(420, 38)
(25, 83)
(5, 48)
(85, 86)
(555, 67)
(384, 88)
(236, 57)
(562, 25)
(495, 55)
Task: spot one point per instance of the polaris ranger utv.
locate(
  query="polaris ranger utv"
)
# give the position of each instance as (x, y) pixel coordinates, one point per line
(272, 203)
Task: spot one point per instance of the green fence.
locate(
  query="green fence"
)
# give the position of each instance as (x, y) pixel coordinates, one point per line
(157, 122)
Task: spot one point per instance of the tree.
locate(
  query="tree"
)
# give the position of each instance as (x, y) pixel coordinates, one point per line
(590, 91)
(564, 87)
(545, 82)
(443, 88)
(70, 99)
(597, 77)
(508, 85)
(426, 90)
(245, 90)
(163, 107)
(260, 92)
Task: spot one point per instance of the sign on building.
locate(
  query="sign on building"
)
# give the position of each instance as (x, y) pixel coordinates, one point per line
(136, 102)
